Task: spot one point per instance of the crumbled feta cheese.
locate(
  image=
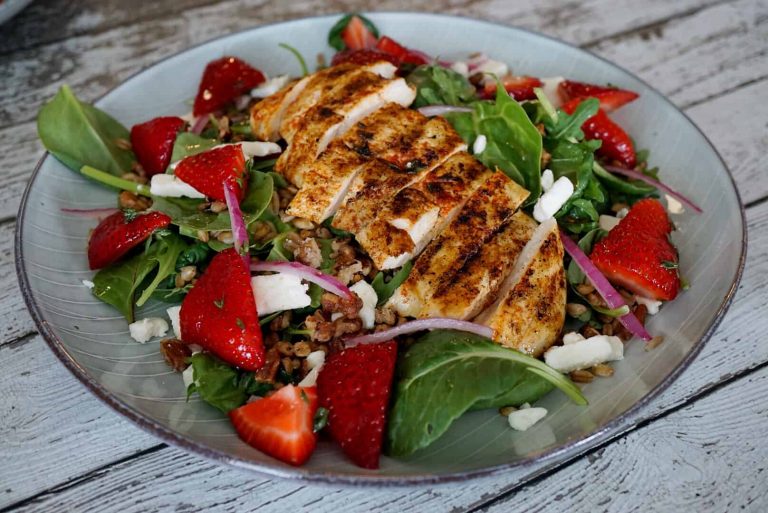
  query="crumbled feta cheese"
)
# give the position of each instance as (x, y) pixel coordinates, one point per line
(89, 284)
(524, 406)
(608, 223)
(187, 376)
(524, 418)
(547, 180)
(621, 214)
(492, 67)
(674, 206)
(315, 359)
(461, 67)
(171, 187)
(145, 329)
(550, 87)
(369, 297)
(650, 304)
(572, 337)
(585, 353)
(270, 87)
(259, 148)
(479, 145)
(315, 362)
(277, 292)
(550, 202)
(174, 314)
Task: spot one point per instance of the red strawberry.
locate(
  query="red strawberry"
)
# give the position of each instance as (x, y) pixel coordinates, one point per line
(153, 140)
(281, 424)
(208, 171)
(224, 80)
(638, 255)
(401, 53)
(354, 385)
(219, 313)
(519, 88)
(119, 233)
(617, 146)
(611, 98)
(357, 36)
(363, 57)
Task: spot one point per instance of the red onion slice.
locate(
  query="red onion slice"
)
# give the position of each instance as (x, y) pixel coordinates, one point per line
(439, 110)
(434, 323)
(91, 213)
(198, 124)
(239, 232)
(603, 287)
(637, 175)
(307, 273)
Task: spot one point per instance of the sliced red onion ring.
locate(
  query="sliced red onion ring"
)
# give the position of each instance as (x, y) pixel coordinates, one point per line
(612, 298)
(239, 232)
(198, 124)
(307, 273)
(434, 323)
(91, 213)
(439, 110)
(637, 175)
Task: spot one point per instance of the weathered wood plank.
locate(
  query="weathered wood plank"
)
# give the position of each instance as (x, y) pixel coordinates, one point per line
(188, 480)
(15, 321)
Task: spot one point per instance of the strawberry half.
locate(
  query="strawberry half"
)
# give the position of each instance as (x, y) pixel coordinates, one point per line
(357, 36)
(354, 385)
(117, 234)
(401, 53)
(363, 57)
(281, 424)
(152, 142)
(219, 313)
(638, 255)
(617, 146)
(224, 80)
(519, 88)
(611, 98)
(208, 171)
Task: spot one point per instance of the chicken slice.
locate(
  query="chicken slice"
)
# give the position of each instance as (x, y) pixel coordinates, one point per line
(484, 213)
(530, 310)
(475, 286)
(267, 114)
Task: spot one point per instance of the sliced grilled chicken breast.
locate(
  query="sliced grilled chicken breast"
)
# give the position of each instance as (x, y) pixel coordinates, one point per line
(484, 213)
(530, 310)
(267, 114)
(475, 286)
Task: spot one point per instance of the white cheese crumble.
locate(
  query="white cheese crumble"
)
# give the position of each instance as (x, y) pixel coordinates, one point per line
(259, 148)
(608, 223)
(492, 67)
(583, 354)
(550, 202)
(461, 67)
(551, 88)
(547, 180)
(174, 314)
(315, 362)
(169, 186)
(145, 329)
(369, 297)
(187, 376)
(621, 214)
(650, 304)
(674, 206)
(572, 337)
(89, 284)
(277, 292)
(479, 145)
(524, 418)
(270, 87)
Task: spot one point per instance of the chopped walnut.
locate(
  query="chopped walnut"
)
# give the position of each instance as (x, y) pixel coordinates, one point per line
(308, 253)
(133, 201)
(268, 371)
(175, 353)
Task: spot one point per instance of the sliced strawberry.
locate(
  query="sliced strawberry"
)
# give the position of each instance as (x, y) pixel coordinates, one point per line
(224, 80)
(219, 313)
(357, 36)
(119, 233)
(152, 142)
(402, 54)
(281, 424)
(617, 146)
(611, 98)
(354, 385)
(519, 88)
(208, 171)
(638, 255)
(363, 57)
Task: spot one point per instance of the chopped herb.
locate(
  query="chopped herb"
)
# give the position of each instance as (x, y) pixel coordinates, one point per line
(240, 323)
(668, 264)
(219, 304)
(321, 419)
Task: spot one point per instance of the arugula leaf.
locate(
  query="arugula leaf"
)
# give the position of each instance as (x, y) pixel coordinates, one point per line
(188, 144)
(514, 144)
(334, 36)
(79, 134)
(117, 284)
(436, 85)
(222, 386)
(568, 126)
(466, 371)
(165, 250)
(385, 289)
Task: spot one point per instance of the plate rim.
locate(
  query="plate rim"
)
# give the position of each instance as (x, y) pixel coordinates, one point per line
(551, 458)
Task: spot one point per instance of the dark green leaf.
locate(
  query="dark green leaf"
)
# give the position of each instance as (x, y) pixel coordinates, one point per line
(165, 250)
(436, 85)
(386, 287)
(613, 183)
(320, 420)
(568, 126)
(217, 383)
(79, 134)
(334, 36)
(196, 254)
(279, 253)
(188, 144)
(117, 284)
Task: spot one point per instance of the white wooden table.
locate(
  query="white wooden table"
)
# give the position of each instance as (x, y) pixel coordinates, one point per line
(701, 446)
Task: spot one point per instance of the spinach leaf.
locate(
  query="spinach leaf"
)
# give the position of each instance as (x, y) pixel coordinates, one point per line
(196, 254)
(466, 371)
(279, 253)
(568, 126)
(436, 85)
(385, 289)
(117, 284)
(334, 36)
(222, 386)
(79, 134)
(586, 243)
(626, 187)
(188, 144)
(165, 250)
(513, 145)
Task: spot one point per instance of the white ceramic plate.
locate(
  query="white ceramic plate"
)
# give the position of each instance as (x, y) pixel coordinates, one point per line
(92, 339)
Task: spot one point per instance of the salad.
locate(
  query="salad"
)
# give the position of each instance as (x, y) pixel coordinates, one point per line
(375, 248)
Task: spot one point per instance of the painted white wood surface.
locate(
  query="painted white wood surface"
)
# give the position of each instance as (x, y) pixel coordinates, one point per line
(61, 449)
